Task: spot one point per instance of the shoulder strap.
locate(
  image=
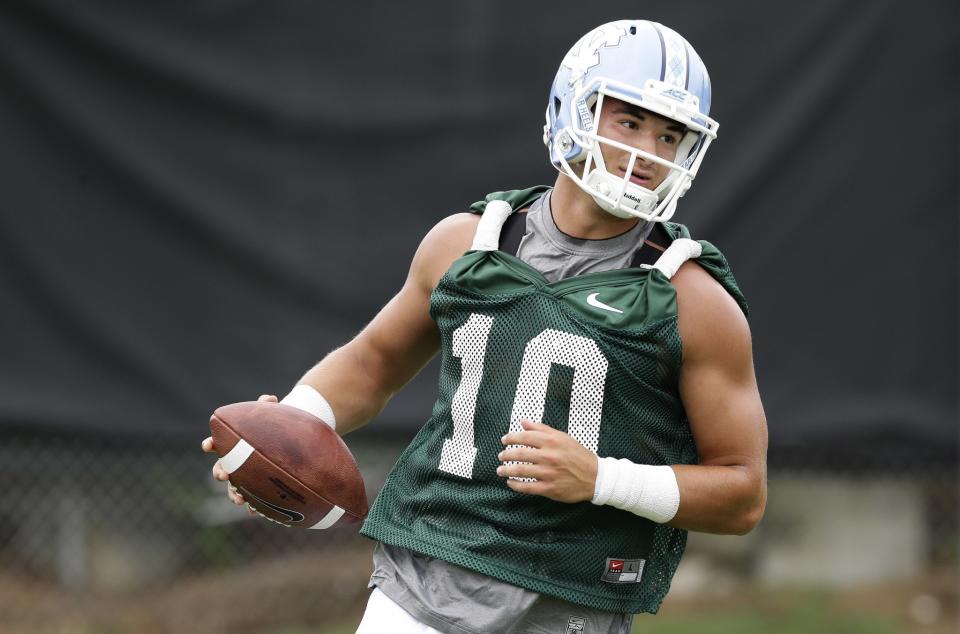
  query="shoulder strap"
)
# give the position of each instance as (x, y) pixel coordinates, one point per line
(512, 232)
(713, 262)
(655, 244)
(680, 251)
(487, 237)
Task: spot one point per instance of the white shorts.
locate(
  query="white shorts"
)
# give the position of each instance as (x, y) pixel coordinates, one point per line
(383, 615)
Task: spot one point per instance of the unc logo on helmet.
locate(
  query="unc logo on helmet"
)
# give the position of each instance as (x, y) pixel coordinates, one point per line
(585, 53)
(644, 64)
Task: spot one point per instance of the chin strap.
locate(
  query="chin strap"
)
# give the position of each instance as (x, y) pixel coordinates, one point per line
(614, 190)
(608, 186)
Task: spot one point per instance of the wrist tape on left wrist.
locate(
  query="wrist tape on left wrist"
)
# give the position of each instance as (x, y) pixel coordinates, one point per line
(645, 490)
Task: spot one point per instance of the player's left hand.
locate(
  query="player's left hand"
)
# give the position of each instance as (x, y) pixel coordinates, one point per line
(562, 468)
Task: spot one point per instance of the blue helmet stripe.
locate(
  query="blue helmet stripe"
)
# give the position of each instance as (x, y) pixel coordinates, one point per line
(663, 52)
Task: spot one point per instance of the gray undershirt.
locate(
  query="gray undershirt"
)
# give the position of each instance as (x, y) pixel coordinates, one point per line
(557, 255)
(454, 600)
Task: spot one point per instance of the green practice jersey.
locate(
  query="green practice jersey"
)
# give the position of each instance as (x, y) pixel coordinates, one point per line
(597, 356)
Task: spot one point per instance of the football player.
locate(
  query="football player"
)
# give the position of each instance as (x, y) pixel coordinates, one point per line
(597, 397)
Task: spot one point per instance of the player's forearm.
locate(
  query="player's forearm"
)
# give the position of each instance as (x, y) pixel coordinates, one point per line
(348, 381)
(359, 378)
(728, 500)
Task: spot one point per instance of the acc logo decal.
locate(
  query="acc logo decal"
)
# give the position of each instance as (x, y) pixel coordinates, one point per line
(678, 95)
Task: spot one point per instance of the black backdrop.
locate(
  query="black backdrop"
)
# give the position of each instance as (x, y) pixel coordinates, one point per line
(199, 199)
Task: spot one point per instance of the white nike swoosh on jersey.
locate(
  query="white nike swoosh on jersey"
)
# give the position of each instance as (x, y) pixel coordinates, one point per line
(593, 301)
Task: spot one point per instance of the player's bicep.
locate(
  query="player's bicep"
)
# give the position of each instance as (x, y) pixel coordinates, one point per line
(717, 381)
(723, 407)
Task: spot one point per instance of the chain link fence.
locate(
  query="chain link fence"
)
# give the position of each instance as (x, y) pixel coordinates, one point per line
(107, 536)
(103, 537)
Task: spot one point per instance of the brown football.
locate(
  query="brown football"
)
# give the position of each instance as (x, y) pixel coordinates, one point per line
(289, 465)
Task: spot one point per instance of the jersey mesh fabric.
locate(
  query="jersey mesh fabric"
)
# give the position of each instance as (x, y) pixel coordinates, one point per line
(515, 346)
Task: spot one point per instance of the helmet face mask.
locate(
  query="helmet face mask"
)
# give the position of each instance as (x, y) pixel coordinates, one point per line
(646, 65)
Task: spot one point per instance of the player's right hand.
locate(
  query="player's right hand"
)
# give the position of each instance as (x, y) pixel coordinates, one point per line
(220, 474)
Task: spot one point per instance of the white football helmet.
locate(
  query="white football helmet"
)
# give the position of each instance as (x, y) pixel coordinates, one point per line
(645, 64)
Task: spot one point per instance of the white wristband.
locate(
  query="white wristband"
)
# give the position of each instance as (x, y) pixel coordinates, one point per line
(645, 490)
(304, 397)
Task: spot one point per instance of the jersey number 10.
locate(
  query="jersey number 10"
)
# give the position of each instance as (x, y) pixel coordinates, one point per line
(549, 347)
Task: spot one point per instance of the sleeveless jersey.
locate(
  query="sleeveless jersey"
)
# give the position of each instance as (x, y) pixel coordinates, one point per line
(597, 356)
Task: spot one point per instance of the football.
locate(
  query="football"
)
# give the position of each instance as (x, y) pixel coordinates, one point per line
(289, 465)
